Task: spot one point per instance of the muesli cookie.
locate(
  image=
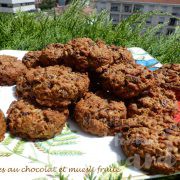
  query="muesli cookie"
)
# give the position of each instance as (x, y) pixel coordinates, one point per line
(97, 114)
(168, 77)
(121, 54)
(10, 69)
(126, 80)
(33, 122)
(154, 101)
(152, 143)
(53, 86)
(2, 126)
(31, 59)
(52, 55)
(83, 54)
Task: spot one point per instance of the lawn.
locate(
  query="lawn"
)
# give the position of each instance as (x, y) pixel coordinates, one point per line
(33, 31)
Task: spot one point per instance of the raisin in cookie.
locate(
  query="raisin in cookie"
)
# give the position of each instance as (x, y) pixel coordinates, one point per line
(30, 121)
(97, 115)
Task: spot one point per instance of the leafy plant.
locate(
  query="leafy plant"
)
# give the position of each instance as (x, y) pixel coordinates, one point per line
(33, 31)
(47, 4)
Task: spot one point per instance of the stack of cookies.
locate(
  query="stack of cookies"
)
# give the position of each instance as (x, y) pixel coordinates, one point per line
(107, 92)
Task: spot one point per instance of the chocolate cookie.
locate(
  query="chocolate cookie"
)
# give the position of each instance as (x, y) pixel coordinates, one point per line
(52, 55)
(10, 70)
(126, 80)
(33, 122)
(154, 101)
(31, 59)
(53, 86)
(168, 77)
(2, 126)
(97, 115)
(121, 54)
(152, 143)
(84, 54)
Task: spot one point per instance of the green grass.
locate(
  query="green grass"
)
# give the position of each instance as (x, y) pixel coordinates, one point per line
(33, 31)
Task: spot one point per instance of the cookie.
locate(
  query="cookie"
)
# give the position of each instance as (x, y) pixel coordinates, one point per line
(97, 115)
(52, 86)
(121, 54)
(10, 69)
(33, 122)
(154, 101)
(83, 54)
(126, 80)
(31, 59)
(168, 77)
(52, 55)
(2, 126)
(152, 143)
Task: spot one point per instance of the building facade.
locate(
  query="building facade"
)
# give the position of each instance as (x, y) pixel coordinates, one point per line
(122, 9)
(13, 6)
